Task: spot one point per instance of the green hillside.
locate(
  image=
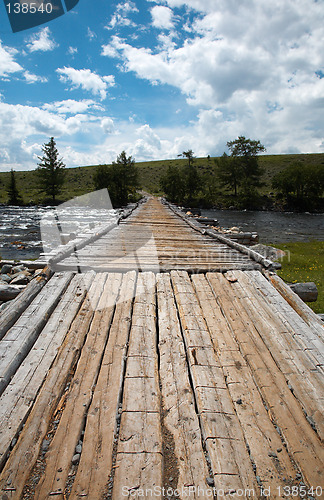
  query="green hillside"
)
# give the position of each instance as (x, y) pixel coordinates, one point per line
(79, 179)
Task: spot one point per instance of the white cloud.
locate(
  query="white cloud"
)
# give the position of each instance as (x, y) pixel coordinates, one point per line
(69, 106)
(41, 41)
(259, 76)
(91, 35)
(120, 17)
(162, 17)
(107, 125)
(8, 64)
(72, 51)
(87, 80)
(31, 78)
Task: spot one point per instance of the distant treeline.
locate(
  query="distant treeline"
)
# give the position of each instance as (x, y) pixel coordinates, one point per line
(240, 178)
(237, 180)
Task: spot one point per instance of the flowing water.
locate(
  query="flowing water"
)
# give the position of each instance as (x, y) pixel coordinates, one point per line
(272, 227)
(20, 236)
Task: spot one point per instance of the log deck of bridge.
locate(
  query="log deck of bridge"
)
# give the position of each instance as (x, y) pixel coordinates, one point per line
(156, 370)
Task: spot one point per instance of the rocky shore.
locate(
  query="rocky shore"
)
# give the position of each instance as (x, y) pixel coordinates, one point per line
(13, 279)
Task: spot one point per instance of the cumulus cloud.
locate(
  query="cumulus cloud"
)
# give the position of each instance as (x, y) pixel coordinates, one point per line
(41, 41)
(87, 80)
(8, 64)
(162, 17)
(256, 75)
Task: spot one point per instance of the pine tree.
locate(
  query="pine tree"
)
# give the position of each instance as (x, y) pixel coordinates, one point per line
(12, 190)
(50, 170)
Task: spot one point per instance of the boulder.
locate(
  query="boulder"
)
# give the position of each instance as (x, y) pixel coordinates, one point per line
(306, 291)
(6, 269)
(9, 292)
(21, 279)
(18, 269)
(6, 278)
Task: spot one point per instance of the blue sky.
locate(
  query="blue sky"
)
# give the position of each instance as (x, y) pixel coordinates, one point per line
(157, 77)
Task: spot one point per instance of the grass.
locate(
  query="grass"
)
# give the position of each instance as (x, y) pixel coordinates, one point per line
(79, 179)
(305, 262)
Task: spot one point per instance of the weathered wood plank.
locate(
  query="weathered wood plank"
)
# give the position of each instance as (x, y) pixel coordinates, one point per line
(17, 306)
(179, 416)
(301, 373)
(24, 455)
(273, 468)
(18, 341)
(18, 398)
(62, 448)
(231, 464)
(97, 451)
(139, 459)
(303, 443)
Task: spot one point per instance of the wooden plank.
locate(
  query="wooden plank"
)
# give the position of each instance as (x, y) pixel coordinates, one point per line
(139, 459)
(25, 453)
(179, 416)
(302, 442)
(300, 371)
(296, 303)
(17, 306)
(97, 451)
(273, 467)
(231, 464)
(62, 448)
(18, 398)
(309, 333)
(137, 472)
(18, 341)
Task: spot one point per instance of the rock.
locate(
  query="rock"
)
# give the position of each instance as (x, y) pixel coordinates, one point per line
(5, 278)
(239, 401)
(9, 292)
(306, 291)
(78, 448)
(210, 481)
(272, 454)
(76, 459)
(18, 269)
(6, 269)
(45, 445)
(21, 279)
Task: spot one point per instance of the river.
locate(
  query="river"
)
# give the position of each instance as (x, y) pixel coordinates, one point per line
(20, 236)
(272, 227)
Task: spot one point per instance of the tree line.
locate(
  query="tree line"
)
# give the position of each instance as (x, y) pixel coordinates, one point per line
(236, 175)
(236, 178)
(120, 178)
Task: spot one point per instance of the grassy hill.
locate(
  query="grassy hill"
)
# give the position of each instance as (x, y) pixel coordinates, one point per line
(79, 180)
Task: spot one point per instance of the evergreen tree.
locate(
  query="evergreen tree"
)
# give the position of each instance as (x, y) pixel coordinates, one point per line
(172, 184)
(12, 190)
(51, 170)
(120, 178)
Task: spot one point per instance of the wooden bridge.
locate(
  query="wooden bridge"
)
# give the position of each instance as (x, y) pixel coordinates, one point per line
(177, 364)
